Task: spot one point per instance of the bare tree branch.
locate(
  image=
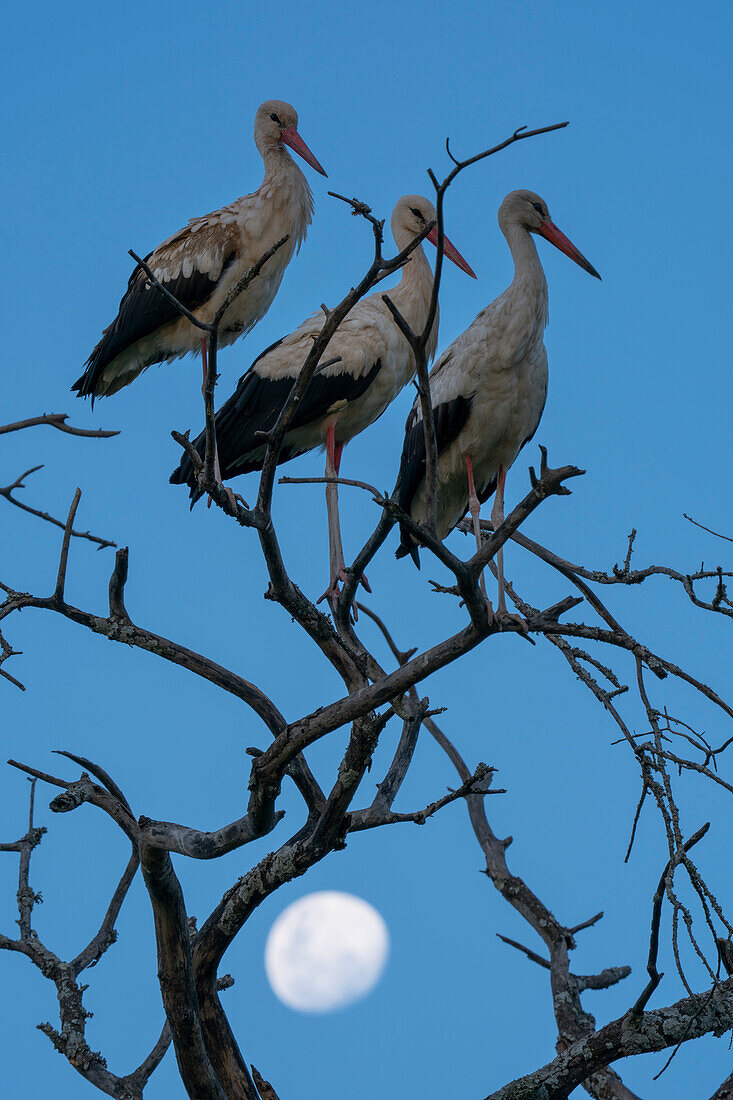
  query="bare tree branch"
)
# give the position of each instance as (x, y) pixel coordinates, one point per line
(654, 976)
(704, 528)
(55, 420)
(264, 1088)
(175, 973)
(118, 627)
(475, 784)
(107, 935)
(690, 1018)
(7, 492)
(58, 595)
(70, 1039)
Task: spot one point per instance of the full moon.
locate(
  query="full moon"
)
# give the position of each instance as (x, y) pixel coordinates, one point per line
(325, 951)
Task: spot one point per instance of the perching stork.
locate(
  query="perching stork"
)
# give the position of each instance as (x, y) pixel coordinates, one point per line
(488, 389)
(200, 263)
(375, 362)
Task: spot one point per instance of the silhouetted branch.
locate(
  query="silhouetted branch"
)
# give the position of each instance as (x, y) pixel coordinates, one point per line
(55, 420)
(70, 1040)
(690, 1018)
(175, 973)
(7, 492)
(708, 529)
(264, 1088)
(654, 976)
(122, 629)
(475, 784)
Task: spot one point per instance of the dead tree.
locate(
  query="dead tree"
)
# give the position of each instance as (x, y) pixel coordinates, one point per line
(590, 639)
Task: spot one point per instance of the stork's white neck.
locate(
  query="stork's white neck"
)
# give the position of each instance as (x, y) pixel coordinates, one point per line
(529, 282)
(412, 293)
(287, 194)
(277, 160)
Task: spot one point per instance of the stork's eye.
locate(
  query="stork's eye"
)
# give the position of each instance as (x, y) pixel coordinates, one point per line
(276, 119)
(538, 208)
(418, 214)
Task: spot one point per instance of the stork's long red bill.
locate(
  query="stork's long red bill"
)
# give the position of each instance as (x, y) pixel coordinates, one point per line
(551, 233)
(450, 250)
(292, 138)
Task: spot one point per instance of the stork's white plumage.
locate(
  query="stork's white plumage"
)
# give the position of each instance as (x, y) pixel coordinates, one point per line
(201, 262)
(375, 363)
(488, 388)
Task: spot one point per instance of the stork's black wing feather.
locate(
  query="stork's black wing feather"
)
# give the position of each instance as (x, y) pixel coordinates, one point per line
(255, 406)
(143, 310)
(449, 418)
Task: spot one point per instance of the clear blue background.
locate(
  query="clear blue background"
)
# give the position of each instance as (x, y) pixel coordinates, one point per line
(118, 125)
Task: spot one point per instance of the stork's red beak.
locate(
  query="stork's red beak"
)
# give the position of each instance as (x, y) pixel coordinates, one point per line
(451, 252)
(292, 138)
(552, 234)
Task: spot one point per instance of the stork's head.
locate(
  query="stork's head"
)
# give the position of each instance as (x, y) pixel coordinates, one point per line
(527, 209)
(276, 122)
(412, 213)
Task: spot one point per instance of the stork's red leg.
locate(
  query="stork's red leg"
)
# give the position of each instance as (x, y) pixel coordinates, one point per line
(233, 497)
(474, 506)
(497, 518)
(338, 450)
(336, 565)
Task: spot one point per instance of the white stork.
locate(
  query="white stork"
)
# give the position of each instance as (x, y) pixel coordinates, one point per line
(488, 389)
(375, 363)
(200, 263)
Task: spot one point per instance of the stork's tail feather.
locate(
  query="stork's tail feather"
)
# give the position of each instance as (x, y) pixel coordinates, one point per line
(407, 546)
(178, 477)
(184, 475)
(90, 383)
(85, 385)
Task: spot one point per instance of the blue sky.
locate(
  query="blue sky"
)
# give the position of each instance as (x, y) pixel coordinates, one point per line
(118, 125)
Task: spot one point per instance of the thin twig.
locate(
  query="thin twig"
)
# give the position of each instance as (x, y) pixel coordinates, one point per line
(708, 529)
(61, 579)
(332, 481)
(56, 420)
(654, 976)
(7, 492)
